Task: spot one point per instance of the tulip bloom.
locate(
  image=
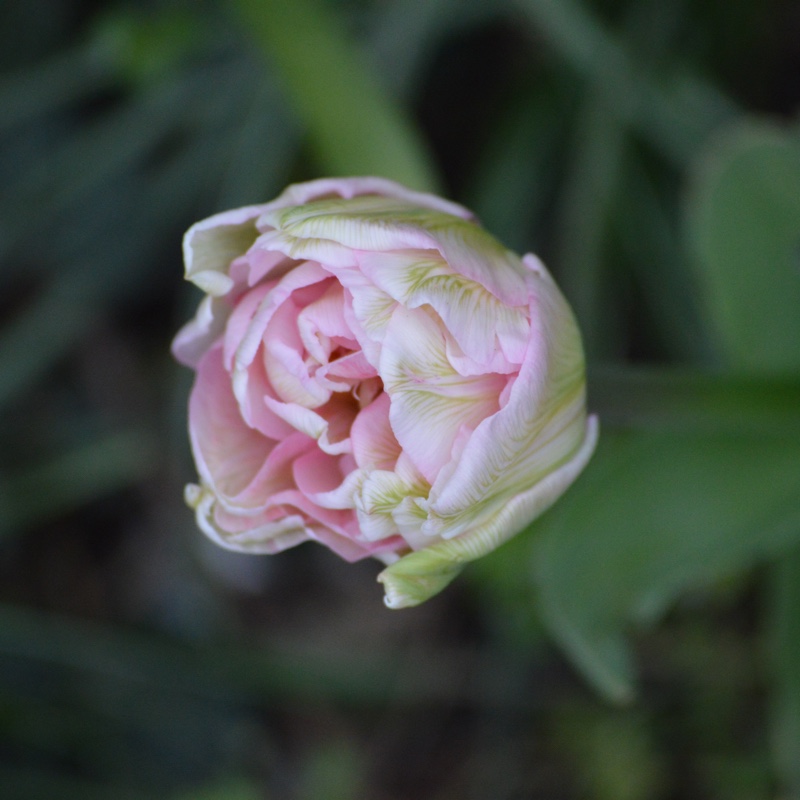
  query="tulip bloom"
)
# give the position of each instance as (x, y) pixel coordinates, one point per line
(376, 373)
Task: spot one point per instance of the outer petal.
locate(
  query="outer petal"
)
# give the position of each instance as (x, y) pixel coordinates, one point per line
(197, 336)
(539, 425)
(302, 193)
(211, 245)
(228, 453)
(420, 575)
(267, 538)
(328, 230)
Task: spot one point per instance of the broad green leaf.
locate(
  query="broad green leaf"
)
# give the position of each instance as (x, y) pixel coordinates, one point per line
(686, 399)
(355, 127)
(657, 514)
(743, 214)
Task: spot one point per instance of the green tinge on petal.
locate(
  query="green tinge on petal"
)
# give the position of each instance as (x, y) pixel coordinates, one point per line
(370, 223)
(210, 246)
(419, 576)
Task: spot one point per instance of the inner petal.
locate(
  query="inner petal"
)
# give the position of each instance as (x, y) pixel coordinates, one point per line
(322, 326)
(287, 368)
(431, 403)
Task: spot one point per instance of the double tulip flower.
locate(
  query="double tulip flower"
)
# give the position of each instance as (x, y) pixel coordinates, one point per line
(376, 373)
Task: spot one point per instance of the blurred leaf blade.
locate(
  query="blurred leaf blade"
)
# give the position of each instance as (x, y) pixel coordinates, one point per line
(657, 514)
(591, 188)
(690, 400)
(73, 479)
(743, 214)
(355, 127)
(676, 116)
(785, 669)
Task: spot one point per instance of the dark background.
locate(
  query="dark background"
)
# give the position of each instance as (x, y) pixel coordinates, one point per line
(649, 151)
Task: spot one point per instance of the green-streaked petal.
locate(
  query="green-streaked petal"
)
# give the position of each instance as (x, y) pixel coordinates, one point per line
(540, 424)
(209, 247)
(371, 307)
(380, 493)
(418, 576)
(385, 224)
(299, 194)
(431, 404)
(490, 333)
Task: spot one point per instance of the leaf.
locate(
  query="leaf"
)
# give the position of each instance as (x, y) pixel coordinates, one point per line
(785, 671)
(675, 113)
(687, 399)
(658, 513)
(355, 127)
(72, 479)
(743, 213)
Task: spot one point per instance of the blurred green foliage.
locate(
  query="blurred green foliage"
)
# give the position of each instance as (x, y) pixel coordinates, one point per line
(650, 152)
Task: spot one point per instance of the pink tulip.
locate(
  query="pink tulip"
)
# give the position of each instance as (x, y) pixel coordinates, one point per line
(377, 373)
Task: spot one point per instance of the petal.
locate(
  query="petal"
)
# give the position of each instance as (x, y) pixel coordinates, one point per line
(368, 311)
(346, 372)
(302, 193)
(323, 251)
(299, 278)
(322, 321)
(267, 538)
(374, 442)
(379, 495)
(211, 245)
(329, 425)
(541, 423)
(490, 333)
(342, 496)
(287, 370)
(328, 230)
(430, 401)
(418, 576)
(228, 453)
(318, 474)
(250, 394)
(195, 338)
(241, 318)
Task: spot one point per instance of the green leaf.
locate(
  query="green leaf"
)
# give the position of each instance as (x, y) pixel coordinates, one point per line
(656, 514)
(675, 113)
(590, 190)
(785, 695)
(355, 127)
(686, 399)
(72, 479)
(743, 214)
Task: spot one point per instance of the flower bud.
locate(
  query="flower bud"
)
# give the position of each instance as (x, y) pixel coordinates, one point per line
(377, 373)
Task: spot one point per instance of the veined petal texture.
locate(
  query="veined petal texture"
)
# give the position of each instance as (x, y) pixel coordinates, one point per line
(377, 373)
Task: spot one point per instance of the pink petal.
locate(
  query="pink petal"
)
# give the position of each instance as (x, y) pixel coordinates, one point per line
(374, 442)
(228, 453)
